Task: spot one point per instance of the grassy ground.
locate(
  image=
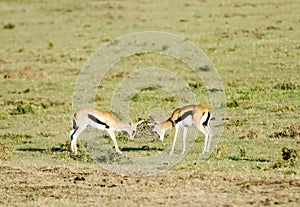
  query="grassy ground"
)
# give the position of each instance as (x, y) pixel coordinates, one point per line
(255, 47)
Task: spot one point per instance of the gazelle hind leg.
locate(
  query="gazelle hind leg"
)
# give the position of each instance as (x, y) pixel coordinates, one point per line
(174, 141)
(184, 139)
(205, 132)
(74, 134)
(113, 138)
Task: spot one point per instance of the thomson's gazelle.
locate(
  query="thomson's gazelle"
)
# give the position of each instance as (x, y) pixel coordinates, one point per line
(191, 115)
(100, 120)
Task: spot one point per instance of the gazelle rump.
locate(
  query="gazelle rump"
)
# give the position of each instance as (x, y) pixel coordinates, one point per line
(190, 115)
(102, 120)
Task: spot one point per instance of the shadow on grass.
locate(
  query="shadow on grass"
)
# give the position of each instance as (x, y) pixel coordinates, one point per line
(53, 149)
(143, 148)
(31, 150)
(234, 158)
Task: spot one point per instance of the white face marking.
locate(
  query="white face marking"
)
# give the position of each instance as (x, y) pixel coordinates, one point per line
(132, 134)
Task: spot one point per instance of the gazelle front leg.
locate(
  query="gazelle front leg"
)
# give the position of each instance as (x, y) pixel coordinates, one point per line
(184, 139)
(113, 138)
(208, 140)
(175, 137)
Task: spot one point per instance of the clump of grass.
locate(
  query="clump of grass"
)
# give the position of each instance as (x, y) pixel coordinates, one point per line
(232, 104)
(292, 131)
(5, 151)
(50, 45)
(136, 97)
(2, 115)
(219, 152)
(286, 86)
(150, 88)
(242, 152)
(21, 109)
(15, 138)
(169, 99)
(238, 122)
(81, 154)
(205, 68)
(289, 157)
(252, 134)
(9, 26)
(112, 157)
(195, 85)
(258, 33)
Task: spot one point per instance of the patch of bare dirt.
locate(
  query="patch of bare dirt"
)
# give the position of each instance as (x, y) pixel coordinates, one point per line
(26, 72)
(74, 186)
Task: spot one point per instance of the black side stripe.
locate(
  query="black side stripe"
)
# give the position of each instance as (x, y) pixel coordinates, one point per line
(206, 121)
(186, 114)
(94, 119)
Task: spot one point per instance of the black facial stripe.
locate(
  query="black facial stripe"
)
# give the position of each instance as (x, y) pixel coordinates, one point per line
(94, 119)
(184, 115)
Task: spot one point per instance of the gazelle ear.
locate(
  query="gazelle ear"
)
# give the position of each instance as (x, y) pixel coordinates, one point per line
(130, 123)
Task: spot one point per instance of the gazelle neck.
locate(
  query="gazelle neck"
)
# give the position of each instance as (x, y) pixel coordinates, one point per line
(168, 124)
(123, 126)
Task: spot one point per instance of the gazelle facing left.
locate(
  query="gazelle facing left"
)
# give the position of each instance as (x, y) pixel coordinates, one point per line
(102, 120)
(190, 115)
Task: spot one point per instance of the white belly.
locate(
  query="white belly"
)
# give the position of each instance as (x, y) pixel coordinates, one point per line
(97, 126)
(188, 121)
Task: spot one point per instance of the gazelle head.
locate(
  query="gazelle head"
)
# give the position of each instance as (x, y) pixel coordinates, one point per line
(158, 130)
(133, 128)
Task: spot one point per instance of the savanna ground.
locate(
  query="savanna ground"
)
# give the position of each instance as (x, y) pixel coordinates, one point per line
(255, 48)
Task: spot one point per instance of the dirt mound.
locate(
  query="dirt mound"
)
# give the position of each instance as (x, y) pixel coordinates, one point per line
(290, 132)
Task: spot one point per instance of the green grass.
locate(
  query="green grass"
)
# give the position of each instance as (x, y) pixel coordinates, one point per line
(253, 45)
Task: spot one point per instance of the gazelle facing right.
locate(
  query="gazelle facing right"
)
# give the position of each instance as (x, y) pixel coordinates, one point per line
(100, 120)
(190, 115)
